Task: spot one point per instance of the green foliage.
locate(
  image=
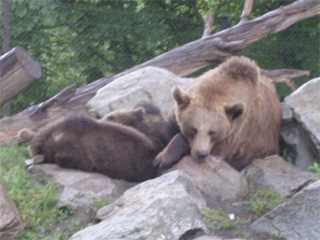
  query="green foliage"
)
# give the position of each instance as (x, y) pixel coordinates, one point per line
(316, 168)
(35, 201)
(259, 202)
(219, 220)
(263, 201)
(80, 41)
(100, 203)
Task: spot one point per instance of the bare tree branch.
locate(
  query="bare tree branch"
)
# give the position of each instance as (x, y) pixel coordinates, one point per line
(208, 25)
(246, 10)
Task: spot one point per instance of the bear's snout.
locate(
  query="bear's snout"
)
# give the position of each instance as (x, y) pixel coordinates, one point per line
(202, 154)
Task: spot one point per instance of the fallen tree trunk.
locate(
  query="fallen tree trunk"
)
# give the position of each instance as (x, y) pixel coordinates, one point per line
(181, 61)
(17, 72)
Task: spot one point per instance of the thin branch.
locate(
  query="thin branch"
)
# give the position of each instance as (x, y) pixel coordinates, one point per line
(246, 10)
(285, 76)
(208, 25)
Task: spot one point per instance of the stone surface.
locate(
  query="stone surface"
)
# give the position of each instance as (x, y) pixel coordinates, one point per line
(10, 220)
(215, 178)
(301, 124)
(296, 219)
(214, 238)
(275, 173)
(161, 208)
(80, 190)
(149, 84)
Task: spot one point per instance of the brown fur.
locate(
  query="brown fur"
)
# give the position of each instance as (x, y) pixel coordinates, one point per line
(148, 119)
(82, 142)
(230, 112)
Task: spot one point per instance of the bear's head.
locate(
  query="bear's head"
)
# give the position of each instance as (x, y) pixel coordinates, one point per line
(146, 118)
(126, 117)
(204, 127)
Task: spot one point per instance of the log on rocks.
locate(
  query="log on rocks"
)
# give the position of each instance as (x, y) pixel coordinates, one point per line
(17, 71)
(182, 61)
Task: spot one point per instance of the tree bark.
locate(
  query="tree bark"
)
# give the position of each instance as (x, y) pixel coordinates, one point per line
(17, 71)
(182, 61)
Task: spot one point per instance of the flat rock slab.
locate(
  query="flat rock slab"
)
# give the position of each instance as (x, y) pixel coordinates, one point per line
(80, 190)
(300, 126)
(215, 238)
(146, 84)
(10, 220)
(296, 219)
(162, 208)
(275, 173)
(215, 178)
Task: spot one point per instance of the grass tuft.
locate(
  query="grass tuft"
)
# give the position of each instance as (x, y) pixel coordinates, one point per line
(35, 201)
(316, 169)
(263, 201)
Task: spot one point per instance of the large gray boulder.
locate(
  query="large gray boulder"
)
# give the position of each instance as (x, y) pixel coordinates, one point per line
(149, 84)
(275, 173)
(301, 124)
(215, 178)
(81, 190)
(162, 208)
(296, 219)
(10, 220)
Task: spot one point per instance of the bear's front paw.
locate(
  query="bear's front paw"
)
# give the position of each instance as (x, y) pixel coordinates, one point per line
(29, 163)
(164, 160)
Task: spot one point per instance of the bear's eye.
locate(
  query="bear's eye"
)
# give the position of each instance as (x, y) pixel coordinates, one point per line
(194, 131)
(212, 134)
(110, 118)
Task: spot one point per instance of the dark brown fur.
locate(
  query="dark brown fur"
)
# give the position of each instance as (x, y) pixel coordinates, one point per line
(148, 119)
(230, 112)
(82, 142)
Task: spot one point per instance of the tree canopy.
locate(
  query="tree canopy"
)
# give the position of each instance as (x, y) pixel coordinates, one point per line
(80, 41)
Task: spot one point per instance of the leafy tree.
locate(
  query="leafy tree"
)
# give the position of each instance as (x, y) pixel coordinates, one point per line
(80, 41)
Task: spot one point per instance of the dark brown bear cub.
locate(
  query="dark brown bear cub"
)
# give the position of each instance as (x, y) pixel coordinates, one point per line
(148, 119)
(82, 142)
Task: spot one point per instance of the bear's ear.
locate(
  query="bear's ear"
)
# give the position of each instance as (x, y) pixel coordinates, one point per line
(181, 97)
(139, 113)
(234, 111)
(26, 135)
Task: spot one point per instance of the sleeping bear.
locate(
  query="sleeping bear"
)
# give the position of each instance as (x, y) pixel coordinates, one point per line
(121, 145)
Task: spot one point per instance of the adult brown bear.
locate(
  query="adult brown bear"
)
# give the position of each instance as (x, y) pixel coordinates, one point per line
(230, 112)
(82, 142)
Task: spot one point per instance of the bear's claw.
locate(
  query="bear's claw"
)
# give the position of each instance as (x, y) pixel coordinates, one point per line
(29, 163)
(158, 162)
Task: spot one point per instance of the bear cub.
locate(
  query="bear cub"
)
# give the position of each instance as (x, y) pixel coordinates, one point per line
(148, 119)
(121, 145)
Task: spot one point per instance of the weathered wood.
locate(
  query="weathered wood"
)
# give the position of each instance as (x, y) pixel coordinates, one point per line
(215, 48)
(208, 25)
(246, 10)
(285, 76)
(17, 71)
(282, 75)
(57, 100)
(181, 61)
